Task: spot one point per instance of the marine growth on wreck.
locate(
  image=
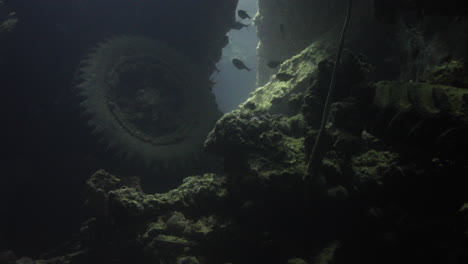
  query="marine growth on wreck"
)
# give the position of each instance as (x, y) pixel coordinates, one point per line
(373, 172)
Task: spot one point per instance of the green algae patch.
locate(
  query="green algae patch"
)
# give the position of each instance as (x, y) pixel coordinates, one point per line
(165, 239)
(373, 166)
(127, 201)
(208, 190)
(464, 208)
(154, 229)
(302, 66)
(450, 73)
(328, 254)
(296, 261)
(203, 227)
(425, 98)
(285, 162)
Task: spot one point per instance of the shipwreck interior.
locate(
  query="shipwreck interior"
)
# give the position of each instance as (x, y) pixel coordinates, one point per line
(234, 131)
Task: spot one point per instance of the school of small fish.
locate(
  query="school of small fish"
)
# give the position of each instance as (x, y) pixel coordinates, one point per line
(239, 64)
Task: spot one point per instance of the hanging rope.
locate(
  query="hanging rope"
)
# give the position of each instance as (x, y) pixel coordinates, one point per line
(311, 166)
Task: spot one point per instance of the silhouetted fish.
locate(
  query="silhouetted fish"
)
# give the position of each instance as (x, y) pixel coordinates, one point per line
(274, 64)
(242, 14)
(239, 64)
(284, 76)
(238, 25)
(281, 27)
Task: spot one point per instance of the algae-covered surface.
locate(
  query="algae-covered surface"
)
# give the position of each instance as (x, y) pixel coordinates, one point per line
(302, 66)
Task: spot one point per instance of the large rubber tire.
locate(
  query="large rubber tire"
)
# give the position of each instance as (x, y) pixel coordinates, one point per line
(147, 102)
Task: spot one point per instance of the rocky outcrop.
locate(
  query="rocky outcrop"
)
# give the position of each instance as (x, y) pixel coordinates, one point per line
(128, 225)
(388, 150)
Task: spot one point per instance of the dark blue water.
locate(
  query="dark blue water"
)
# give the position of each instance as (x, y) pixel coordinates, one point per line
(232, 85)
